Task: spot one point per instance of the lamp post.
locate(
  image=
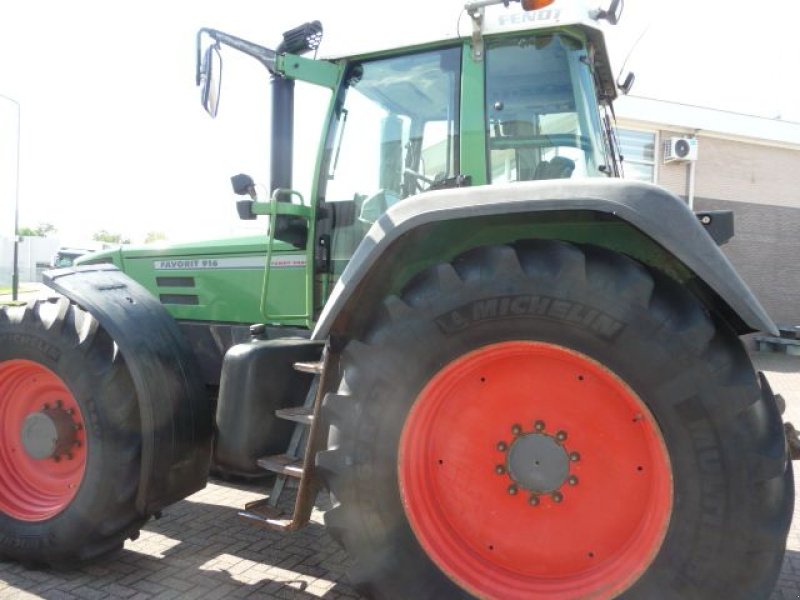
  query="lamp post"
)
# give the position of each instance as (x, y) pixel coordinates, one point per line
(15, 274)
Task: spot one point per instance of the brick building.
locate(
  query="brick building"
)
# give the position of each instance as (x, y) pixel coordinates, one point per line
(747, 164)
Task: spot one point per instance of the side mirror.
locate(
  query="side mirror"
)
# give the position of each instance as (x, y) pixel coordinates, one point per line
(625, 86)
(210, 79)
(612, 14)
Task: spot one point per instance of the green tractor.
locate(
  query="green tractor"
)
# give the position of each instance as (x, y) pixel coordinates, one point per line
(518, 375)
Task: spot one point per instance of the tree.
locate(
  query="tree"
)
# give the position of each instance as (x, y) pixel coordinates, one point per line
(110, 238)
(42, 230)
(155, 236)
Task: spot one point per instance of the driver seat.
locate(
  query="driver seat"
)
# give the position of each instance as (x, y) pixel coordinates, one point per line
(557, 168)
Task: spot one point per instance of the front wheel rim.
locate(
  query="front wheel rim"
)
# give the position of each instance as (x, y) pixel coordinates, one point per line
(43, 445)
(528, 470)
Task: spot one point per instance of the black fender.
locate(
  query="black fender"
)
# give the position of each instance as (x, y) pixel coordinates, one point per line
(176, 411)
(663, 218)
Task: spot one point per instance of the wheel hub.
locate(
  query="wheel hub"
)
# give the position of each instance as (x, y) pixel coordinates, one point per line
(538, 463)
(49, 433)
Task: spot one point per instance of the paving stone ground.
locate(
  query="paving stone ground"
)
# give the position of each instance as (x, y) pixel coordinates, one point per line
(199, 548)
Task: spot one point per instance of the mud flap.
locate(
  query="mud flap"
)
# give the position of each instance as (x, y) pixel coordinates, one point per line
(176, 412)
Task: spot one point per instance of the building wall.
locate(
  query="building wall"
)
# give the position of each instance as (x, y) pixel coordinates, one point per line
(766, 252)
(672, 176)
(761, 185)
(737, 171)
(35, 255)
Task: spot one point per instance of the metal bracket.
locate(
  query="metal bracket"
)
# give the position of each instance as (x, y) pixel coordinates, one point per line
(476, 14)
(475, 9)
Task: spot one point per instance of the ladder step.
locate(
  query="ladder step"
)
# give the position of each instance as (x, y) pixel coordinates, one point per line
(299, 414)
(315, 368)
(283, 464)
(261, 513)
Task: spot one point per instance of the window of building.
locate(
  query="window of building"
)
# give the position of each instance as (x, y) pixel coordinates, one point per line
(639, 151)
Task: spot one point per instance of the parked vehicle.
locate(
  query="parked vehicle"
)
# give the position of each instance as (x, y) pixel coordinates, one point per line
(65, 257)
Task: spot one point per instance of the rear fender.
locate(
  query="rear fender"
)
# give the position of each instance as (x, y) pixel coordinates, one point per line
(639, 219)
(175, 410)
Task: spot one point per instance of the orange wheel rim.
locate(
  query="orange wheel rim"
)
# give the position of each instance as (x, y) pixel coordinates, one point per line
(528, 470)
(43, 445)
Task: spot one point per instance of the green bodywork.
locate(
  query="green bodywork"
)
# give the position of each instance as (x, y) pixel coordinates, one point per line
(215, 280)
(231, 281)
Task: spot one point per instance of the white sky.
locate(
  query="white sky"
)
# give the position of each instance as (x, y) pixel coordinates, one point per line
(113, 135)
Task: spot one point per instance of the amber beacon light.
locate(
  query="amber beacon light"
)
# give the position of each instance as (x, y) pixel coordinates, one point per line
(535, 4)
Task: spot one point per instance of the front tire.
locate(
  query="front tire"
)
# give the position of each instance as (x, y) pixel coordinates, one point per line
(70, 450)
(547, 351)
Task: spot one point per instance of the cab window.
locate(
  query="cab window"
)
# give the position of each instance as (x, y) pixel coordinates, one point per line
(396, 137)
(542, 120)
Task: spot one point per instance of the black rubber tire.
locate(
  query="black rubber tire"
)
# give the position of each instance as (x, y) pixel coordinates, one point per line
(67, 340)
(733, 487)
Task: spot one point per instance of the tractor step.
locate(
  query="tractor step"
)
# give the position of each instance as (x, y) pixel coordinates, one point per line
(299, 414)
(314, 368)
(263, 514)
(283, 464)
(298, 461)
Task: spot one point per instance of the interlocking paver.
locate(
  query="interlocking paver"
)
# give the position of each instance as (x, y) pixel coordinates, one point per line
(200, 549)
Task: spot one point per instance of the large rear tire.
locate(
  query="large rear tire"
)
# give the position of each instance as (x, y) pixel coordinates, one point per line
(71, 441)
(549, 421)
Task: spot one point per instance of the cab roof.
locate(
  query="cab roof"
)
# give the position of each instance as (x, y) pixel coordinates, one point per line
(499, 20)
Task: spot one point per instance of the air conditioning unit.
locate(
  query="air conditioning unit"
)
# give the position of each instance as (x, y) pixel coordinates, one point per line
(680, 149)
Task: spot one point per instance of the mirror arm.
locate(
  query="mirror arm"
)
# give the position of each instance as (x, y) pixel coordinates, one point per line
(263, 55)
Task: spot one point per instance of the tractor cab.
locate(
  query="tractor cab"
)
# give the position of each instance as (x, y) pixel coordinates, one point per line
(408, 124)
(518, 101)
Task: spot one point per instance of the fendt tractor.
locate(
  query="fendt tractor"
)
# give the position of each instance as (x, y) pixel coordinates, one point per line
(517, 374)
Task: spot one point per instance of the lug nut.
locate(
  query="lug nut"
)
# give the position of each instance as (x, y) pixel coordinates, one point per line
(57, 458)
(46, 406)
(533, 500)
(501, 446)
(539, 425)
(59, 404)
(557, 497)
(499, 469)
(70, 412)
(512, 489)
(574, 456)
(516, 429)
(561, 436)
(572, 480)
